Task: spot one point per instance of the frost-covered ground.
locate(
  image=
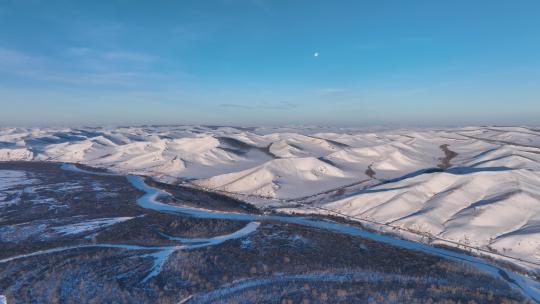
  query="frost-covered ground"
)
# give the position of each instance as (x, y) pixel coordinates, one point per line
(144, 242)
(478, 186)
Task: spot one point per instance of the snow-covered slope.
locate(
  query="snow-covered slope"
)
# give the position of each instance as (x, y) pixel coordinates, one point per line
(475, 185)
(484, 207)
(284, 178)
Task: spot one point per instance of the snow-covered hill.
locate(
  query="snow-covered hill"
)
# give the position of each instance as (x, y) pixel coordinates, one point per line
(474, 185)
(499, 208)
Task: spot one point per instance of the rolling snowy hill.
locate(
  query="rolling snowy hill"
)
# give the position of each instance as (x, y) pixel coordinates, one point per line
(474, 185)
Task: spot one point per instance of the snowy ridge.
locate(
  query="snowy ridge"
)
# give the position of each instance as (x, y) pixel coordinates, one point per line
(473, 185)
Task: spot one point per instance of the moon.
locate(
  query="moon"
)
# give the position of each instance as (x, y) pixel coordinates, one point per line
(316, 54)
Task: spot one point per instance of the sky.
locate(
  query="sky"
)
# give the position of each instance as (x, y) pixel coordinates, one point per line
(263, 62)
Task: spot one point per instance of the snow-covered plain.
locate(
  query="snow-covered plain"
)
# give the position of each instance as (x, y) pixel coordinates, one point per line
(475, 185)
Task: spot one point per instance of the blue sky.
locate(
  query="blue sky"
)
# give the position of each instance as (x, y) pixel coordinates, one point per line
(252, 62)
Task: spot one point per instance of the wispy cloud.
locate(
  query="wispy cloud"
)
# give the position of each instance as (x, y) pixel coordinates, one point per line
(129, 56)
(189, 32)
(12, 58)
(282, 105)
(105, 33)
(118, 56)
(82, 66)
(332, 91)
(236, 106)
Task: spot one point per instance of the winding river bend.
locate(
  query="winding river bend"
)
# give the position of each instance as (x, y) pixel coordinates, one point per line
(160, 254)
